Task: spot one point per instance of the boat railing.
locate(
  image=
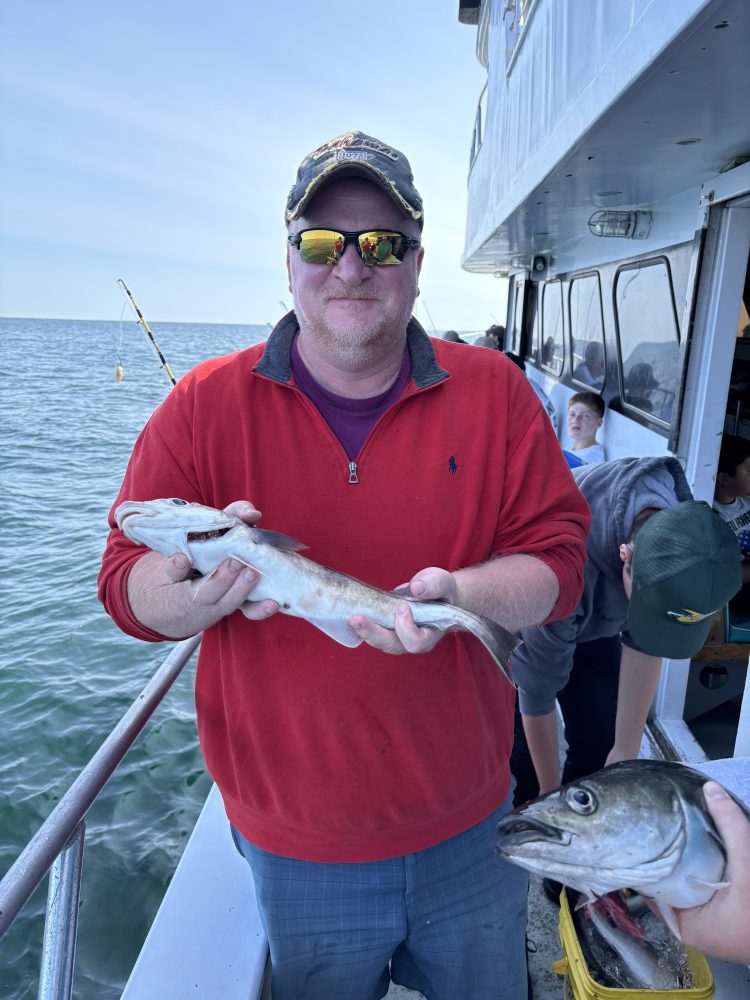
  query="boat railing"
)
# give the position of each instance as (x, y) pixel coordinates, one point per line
(58, 844)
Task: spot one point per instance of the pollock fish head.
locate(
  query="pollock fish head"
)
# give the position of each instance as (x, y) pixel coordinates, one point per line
(625, 826)
(165, 525)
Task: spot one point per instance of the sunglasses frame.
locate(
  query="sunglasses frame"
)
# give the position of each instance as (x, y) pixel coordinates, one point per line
(408, 243)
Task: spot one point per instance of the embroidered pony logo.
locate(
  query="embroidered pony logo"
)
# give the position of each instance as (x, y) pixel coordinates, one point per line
(452, 465)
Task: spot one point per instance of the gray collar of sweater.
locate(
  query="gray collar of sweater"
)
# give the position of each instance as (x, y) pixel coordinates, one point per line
(276, 360)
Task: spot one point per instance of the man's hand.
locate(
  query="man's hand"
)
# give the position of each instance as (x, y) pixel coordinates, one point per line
(720, 926)
(165, 598)
(429, 584)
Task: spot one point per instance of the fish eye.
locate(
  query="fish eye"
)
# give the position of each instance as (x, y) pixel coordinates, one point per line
(179, 503)
(580, 800)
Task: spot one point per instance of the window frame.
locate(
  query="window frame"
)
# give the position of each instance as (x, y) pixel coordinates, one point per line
(603, 339)
(639, 265)
(557, 372)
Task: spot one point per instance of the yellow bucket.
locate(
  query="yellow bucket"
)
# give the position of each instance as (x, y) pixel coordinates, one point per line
(580, 986)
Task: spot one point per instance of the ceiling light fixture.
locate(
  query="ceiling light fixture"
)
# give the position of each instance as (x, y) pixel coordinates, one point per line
(629, 225)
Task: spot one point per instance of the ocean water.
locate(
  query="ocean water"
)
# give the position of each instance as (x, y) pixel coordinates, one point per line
(67, 674)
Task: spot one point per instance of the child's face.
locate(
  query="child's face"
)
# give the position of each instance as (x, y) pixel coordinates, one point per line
(740, 481)
(583, 422)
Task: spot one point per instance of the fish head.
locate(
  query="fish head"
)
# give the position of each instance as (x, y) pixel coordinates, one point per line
(167, 526)
(610, 830)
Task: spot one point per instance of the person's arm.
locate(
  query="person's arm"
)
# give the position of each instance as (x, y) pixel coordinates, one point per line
(516, 591)
(721, 926)
(165, 601)
(541, 577)
(639, 676)
(541, 737)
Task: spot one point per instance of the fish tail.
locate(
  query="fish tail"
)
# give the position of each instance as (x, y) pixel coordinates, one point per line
(498, 641)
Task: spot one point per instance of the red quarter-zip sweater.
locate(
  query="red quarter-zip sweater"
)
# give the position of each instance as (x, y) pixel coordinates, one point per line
(326, 753)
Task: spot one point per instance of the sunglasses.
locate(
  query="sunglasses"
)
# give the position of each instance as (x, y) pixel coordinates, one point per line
(376, 247)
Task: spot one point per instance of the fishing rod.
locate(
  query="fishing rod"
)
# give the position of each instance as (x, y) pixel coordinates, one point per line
(142, 322)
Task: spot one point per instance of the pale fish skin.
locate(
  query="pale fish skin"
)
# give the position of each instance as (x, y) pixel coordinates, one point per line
(638, 824)
(301, 587)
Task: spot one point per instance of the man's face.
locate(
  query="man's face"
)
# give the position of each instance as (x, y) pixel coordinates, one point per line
(355, 311)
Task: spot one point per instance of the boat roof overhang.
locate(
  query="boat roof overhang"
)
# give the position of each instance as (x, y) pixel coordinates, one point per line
(683, 120)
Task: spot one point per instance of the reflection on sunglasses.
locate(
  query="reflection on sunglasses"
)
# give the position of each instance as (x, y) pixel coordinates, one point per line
(376, 247)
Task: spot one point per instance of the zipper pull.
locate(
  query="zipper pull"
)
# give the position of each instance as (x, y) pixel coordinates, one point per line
(353, 473)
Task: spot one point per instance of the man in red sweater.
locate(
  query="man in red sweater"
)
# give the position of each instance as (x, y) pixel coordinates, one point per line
(363, 787)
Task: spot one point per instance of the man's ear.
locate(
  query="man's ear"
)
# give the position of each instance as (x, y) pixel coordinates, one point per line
(289, 272)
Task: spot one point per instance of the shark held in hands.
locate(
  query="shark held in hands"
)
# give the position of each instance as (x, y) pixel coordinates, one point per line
(301, 587)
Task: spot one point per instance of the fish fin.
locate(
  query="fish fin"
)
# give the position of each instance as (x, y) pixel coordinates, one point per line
(498, 642)
(337, 630)
(279, 541)
(667, 915)
(700, 883)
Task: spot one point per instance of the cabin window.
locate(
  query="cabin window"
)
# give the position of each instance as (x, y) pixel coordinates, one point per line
(648, 338)
(552, 349)
(587, 332)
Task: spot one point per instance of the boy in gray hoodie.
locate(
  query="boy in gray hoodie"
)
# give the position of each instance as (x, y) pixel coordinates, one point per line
(647, 536)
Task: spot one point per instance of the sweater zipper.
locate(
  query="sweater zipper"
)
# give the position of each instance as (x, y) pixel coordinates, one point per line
(353, 478)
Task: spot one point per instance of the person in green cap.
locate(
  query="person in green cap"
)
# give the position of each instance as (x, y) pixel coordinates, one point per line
(659, 566)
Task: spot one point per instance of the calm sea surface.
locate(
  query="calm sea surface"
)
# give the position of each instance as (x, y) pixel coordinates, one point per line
(66, 673)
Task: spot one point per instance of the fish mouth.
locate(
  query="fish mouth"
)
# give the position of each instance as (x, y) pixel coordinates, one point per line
(515, 830)
(205, 536)
(125, 511)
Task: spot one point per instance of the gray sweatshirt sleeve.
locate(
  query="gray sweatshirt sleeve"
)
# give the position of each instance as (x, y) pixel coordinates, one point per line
(542, 664)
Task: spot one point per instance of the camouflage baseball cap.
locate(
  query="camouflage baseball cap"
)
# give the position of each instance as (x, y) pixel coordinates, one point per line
(686, 566)
(356, 153)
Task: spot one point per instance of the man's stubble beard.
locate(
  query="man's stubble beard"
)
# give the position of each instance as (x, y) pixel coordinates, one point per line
(361, 341)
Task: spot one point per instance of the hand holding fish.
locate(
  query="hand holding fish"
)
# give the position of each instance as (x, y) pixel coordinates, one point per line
(165, 597)
(230, 579)
(430, 584)
(236, 559)
(721, 926)
(638, 824)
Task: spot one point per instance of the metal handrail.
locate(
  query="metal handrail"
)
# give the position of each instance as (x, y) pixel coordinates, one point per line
(63, 822)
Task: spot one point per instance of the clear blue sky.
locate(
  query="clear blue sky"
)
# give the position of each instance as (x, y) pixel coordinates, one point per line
(156, 140)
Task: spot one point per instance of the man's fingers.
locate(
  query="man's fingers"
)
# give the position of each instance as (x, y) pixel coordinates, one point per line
(244, 510)
(381, 638)
(407, 637)
(413, 638)
(228, 586)
(257, 611)
(178, 568)
(432, 584)
(730, 821)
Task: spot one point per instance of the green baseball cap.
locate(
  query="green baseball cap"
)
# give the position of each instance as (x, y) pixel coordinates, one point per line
(356, 153)
(686, 566)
